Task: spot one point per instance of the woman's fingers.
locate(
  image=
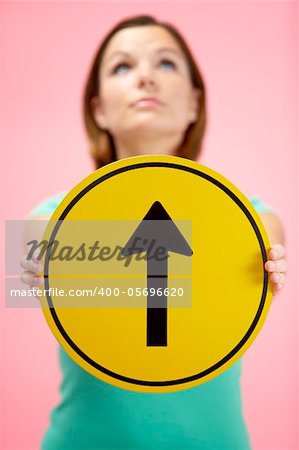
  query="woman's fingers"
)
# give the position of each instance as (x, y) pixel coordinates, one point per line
(276, 266)
(30, 265)
(276, 288)
(277, 277)
(277, 251)
(35, 256)
(31, 279)
(33, 273)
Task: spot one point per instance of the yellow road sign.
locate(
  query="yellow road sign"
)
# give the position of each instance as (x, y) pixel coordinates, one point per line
(154, 273)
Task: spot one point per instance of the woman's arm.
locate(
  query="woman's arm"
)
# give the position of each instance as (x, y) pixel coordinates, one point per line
(276, 264)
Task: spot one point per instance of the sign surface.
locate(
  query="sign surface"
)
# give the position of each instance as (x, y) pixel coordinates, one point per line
(160, 261)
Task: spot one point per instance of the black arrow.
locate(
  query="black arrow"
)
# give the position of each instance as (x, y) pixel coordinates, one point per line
(157, 238)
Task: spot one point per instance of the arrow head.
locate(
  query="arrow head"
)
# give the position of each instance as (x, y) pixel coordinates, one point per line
(157, 230)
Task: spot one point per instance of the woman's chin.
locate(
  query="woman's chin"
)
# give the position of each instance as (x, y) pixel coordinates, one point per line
(146, 126)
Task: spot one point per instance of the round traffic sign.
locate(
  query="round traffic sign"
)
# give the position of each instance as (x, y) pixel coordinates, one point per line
(154, 273)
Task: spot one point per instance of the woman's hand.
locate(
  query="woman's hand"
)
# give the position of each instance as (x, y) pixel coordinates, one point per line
(32, 274)
(276, 266)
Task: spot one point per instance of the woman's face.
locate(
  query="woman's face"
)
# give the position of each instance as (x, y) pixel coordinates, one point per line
(145, 62)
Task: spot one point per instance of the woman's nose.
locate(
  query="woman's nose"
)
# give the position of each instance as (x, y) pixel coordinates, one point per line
(146, 82)
(146, 77)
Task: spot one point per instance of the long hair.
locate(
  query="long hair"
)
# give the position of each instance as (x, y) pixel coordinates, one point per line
(101, 142)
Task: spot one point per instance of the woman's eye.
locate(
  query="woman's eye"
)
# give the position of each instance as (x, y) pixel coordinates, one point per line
(168, 63)
(119, 66)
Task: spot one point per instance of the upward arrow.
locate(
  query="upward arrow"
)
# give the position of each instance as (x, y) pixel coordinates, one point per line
(158, 237)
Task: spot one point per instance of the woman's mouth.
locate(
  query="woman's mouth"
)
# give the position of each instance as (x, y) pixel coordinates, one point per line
(148, 102)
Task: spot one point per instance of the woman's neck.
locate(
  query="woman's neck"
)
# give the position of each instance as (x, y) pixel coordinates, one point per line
(147, 145)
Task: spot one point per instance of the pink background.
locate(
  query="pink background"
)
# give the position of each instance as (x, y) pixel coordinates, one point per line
(247, 53)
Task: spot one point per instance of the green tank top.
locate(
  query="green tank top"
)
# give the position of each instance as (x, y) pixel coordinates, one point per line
(93, 414)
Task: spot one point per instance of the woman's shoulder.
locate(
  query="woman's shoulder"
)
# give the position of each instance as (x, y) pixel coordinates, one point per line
(260, 206)
(47, 206)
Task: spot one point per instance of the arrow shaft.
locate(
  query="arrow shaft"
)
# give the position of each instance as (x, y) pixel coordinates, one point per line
(157, 304)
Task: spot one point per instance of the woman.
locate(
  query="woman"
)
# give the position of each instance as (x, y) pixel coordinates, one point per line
(144, 95)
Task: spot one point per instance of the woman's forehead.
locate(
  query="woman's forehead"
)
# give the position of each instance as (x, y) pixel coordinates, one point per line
(140, 39)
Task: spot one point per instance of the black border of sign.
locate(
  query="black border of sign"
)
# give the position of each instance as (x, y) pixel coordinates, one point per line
(132, 380)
